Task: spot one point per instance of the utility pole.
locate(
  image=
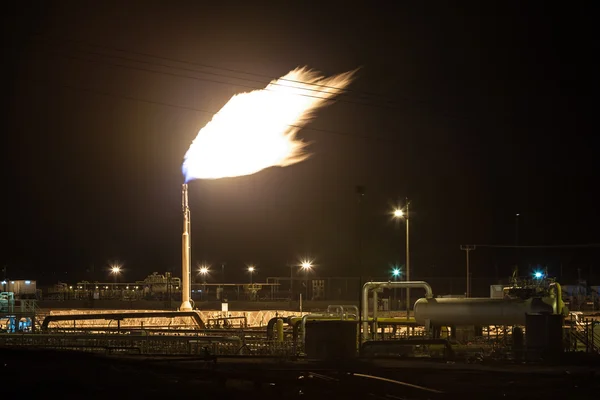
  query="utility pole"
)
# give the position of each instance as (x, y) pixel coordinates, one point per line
(517, 239)
(360, 191)
(467, 249)
(407, 259)
(291, 281)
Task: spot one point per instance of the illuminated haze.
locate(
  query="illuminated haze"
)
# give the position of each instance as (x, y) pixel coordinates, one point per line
(257, 130)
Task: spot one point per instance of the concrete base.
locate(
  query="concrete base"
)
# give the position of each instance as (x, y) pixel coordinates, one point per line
(185, 306)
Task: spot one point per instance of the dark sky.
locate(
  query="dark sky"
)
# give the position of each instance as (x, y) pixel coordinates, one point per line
(475, 114)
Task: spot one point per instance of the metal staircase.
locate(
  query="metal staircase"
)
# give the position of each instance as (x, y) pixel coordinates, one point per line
(585, 334)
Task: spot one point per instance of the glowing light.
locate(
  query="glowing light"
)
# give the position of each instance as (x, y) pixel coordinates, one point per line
(257, 130)
(538, 274)
(115, 268)
(306, 265)
(203, 270)
(396, 272)
(251, 269)
(398, 213)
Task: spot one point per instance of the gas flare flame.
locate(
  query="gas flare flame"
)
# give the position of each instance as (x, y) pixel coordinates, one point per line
(257, 130)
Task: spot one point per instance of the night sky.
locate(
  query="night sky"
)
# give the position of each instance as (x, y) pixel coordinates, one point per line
(474, 114)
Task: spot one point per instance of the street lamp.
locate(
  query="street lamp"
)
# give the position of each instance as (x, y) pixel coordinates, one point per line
(203, 270)
(115, 270)
(396, 272)
(251, 269)
(306, 267)
(468, 249)
(398, 214)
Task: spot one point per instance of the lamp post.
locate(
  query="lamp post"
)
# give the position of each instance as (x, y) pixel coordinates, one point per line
(115, 270)
(400, 213)
(395, 274)
(251, 269)
(306, 267)
(468, 249)
(204, 272)
(291, 281)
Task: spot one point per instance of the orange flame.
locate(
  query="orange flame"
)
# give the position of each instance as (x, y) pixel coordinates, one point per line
(257, 130)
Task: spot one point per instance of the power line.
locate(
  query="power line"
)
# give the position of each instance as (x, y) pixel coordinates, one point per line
(263, 83)
(389, 104)
(182, 107)
(560, 246)
(339, 98)
(412, 103)
(202, 65)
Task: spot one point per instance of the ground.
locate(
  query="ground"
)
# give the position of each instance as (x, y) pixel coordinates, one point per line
(78, 375)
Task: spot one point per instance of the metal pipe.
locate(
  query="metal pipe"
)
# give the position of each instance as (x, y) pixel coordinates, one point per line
(339, 309)
(185, 252)
(374, 325)
(342, 309)
(354, 308)
(270, 326)
(385, 285)
(558, 305)
(279, 326)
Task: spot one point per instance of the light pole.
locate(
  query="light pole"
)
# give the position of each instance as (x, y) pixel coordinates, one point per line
(291, 281)
(251, 270)
(115, 270)
(467, 249)
(306, 266)
(204, 272)
(400, 213)
(395, 273)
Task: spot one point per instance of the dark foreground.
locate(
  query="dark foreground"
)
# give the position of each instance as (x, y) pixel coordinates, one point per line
(66, 375)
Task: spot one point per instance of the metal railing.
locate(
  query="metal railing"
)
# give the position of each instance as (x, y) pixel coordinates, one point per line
(584, 334)
(196, 345)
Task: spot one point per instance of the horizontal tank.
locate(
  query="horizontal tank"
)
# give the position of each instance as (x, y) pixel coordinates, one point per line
(478, 311)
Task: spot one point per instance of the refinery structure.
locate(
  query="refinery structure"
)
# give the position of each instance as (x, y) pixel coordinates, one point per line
(528, 319)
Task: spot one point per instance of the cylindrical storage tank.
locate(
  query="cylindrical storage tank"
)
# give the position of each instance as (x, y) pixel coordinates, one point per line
(332, 340)
(477, 311)
(543, 335)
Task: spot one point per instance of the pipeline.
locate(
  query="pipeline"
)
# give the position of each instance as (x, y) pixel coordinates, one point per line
(386, 285)
(290, 319)
(558, 305)
(270, 326)
(125, 315)
(340, 309)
